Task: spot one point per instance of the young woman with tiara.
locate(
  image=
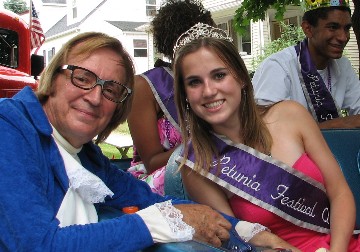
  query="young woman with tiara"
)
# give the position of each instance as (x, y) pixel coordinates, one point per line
(269, 165)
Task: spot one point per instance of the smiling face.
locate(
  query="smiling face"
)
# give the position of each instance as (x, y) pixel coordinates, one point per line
(329, 37)
(77, 114)
(212, 92)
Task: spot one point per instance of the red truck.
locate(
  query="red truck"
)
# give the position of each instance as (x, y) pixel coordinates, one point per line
(18, 67)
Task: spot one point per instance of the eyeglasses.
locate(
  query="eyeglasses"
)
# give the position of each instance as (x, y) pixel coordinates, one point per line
(85, 79)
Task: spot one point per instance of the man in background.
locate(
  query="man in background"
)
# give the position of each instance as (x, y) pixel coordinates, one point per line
(314, 72)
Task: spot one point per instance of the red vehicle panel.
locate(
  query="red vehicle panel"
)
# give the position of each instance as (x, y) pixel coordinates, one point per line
(17, 66)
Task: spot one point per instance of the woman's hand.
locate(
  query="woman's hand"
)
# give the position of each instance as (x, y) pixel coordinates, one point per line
(270, 240)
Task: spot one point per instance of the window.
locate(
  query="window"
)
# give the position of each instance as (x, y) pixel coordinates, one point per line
(44, 55)
(246, 41)
(9, 48)
(74, 12)
(51, 54)
(242, 43)
(277, 29)
(150, 8)
(74, 9)
(140, 47)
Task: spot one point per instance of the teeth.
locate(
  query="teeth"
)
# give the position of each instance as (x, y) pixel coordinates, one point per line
(214, 104)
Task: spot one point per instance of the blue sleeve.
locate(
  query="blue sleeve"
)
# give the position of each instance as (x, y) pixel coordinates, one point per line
(128, 191)
(30, 194)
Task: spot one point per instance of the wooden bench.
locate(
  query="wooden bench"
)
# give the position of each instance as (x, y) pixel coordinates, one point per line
(122, 142)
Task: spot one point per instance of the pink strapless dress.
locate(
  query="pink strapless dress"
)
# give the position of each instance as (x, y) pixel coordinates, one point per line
(304, 239)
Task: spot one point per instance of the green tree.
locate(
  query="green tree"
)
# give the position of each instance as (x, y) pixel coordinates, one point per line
(17, 6)
(290, 35)
(256, 10)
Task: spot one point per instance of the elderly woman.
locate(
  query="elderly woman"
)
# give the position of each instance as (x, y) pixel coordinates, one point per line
(54, 178)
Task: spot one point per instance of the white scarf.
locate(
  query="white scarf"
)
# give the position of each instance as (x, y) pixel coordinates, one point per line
(85, 188)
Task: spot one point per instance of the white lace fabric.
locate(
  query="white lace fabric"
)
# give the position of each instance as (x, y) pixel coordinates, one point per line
(247, 230)
(85, 188)
(90, 187)
(165, 223)
(174, 217)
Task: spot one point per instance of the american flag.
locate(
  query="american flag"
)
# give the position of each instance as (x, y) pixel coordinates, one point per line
(37, 35)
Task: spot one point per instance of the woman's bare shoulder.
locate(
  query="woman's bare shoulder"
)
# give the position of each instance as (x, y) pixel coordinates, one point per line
(289, 110)
(142, 88)
(289, 114)
(143, 97)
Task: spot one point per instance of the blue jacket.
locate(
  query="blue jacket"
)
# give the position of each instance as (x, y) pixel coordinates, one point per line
(33, 183)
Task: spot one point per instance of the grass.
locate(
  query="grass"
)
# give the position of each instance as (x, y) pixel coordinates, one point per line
(111, 151)
(123, 129)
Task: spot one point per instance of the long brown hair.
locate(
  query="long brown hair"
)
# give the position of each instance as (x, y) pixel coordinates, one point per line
(91, 41)
(254, 131)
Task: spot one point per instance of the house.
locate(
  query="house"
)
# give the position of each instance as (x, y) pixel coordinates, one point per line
(129, 23)
(109, 16)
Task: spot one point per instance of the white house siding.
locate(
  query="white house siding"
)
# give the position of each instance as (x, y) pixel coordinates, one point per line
(223, 11)
(50, 14)
(352, 51)
(257, 42)
(221, 5)
(142, 64)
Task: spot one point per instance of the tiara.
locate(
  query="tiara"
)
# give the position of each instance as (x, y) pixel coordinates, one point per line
(200, 30)
(314, 4)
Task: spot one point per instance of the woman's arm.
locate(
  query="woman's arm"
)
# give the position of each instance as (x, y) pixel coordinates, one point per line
(305, 136)
(342, 215)
(204, 191)
(352, 121)
(143, 127)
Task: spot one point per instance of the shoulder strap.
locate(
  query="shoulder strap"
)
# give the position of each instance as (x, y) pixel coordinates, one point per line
(161, 82)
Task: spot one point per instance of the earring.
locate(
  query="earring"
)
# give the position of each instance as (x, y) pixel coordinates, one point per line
(187, 117)
(243, 102)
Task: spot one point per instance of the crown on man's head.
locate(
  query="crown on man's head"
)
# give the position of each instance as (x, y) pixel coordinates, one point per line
(314, 4)
(200, 30)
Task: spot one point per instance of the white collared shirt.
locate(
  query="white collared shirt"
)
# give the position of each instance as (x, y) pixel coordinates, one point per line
(277, 79)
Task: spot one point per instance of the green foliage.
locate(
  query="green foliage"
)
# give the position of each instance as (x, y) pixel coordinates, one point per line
(17, 6)
(256, 9)
(290, 35)
(112, 153)
(123, 129)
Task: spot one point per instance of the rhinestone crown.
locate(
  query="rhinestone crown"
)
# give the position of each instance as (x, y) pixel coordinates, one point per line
(200, 30)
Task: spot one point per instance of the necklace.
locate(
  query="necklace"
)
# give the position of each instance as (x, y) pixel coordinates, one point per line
(167, 132)
(329, 79)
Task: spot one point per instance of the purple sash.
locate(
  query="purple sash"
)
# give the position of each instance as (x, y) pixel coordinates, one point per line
(161, 82)
(270, 184)
(319, 99)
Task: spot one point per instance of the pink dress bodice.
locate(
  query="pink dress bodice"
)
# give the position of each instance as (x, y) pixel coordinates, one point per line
(304, 239)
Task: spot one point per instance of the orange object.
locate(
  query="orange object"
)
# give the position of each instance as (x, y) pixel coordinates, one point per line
(130, 209)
